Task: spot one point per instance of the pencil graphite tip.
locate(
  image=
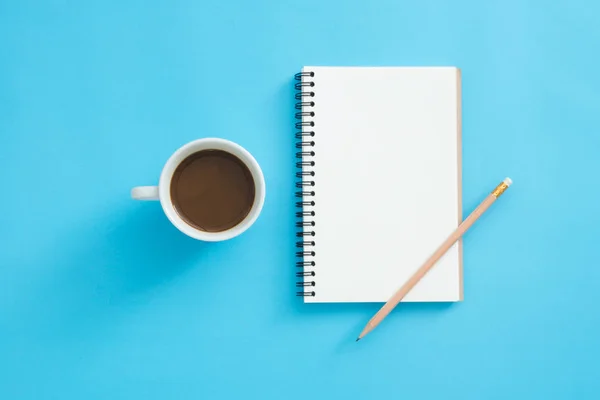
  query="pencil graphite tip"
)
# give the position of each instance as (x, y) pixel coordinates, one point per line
(357, 339)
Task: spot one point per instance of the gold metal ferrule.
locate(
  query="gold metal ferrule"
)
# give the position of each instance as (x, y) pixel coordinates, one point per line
(501, 188)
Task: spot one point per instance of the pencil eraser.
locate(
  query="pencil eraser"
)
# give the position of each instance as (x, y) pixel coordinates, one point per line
(508, 181)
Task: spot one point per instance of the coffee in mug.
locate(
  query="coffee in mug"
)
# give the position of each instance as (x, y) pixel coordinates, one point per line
(210, 189)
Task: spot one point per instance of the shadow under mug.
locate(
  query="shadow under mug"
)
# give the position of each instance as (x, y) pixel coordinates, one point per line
(162, 192)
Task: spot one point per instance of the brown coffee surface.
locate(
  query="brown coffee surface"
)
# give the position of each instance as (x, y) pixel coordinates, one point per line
(212, 190)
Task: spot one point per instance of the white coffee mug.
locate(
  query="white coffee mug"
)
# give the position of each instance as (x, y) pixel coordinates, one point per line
(162, 192)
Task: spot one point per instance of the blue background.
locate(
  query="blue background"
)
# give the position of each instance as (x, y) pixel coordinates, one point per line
(101, 298)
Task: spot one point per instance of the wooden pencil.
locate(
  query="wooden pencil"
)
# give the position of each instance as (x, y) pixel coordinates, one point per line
(422, 271)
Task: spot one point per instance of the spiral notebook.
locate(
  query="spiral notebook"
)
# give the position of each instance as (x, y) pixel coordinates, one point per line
(379, 182)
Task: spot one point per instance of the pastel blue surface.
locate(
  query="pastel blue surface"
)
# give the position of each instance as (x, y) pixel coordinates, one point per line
(101, 298)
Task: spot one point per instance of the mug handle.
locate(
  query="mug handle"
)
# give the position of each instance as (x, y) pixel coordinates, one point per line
(145, 193)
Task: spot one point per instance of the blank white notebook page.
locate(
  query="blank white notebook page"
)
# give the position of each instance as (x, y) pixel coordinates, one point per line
(387, 181)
